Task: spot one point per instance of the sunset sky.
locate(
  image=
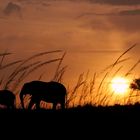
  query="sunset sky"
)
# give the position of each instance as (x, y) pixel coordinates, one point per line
(94, 33)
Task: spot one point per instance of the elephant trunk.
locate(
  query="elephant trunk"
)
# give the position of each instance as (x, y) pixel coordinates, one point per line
(21, 97)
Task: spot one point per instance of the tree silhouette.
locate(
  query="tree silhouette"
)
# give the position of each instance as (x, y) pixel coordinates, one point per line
(135, 85)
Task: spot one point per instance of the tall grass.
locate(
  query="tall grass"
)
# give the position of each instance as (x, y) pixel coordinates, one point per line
(23, 68)
(87, 90)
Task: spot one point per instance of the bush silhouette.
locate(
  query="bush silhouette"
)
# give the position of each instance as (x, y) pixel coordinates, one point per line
(135, 84)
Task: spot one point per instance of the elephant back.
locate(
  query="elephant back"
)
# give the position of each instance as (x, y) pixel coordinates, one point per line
(51, 87)
(55, 87)
(6, 94)
(7, 98)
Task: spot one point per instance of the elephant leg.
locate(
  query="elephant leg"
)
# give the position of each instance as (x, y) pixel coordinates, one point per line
(38, 104)
(11, 107)
(54, 106)
(31, 103)
(62, 105)
(8, 107)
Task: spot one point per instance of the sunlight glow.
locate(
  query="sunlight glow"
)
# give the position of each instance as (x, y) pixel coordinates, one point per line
(120, 85)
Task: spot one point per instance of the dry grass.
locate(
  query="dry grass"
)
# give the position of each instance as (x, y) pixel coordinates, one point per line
(85, 91)
(88, 91)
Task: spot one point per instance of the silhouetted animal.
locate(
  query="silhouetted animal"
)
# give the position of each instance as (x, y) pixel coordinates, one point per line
(51, 92)
(7, 98)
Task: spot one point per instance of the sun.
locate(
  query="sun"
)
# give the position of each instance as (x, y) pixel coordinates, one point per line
(120, 85)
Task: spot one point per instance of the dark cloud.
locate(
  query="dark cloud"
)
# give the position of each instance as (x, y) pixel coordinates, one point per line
(130, 12)
(12, 8)
(121, 13)
(116, 2)
(126, 22)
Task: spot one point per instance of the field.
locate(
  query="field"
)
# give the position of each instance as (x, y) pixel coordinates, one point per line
(85, 92)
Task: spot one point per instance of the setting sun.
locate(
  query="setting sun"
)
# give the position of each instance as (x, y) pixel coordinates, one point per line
(119, 85)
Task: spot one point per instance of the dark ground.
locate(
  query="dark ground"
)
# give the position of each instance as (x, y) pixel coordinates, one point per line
(127, 112)
(87, 120)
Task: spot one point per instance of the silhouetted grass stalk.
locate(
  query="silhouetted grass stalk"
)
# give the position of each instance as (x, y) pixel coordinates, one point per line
(86, 90)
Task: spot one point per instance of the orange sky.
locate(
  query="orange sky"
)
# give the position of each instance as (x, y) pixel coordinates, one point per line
(92, 33)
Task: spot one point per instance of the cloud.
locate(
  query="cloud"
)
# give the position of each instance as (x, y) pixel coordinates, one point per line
(116, 2)
(121, 13)
(93, 38)
(126, 20)
(12, 8)
(130, 12)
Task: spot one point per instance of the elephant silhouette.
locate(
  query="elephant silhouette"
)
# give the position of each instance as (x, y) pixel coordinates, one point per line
(7, 98)
(51, 92)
